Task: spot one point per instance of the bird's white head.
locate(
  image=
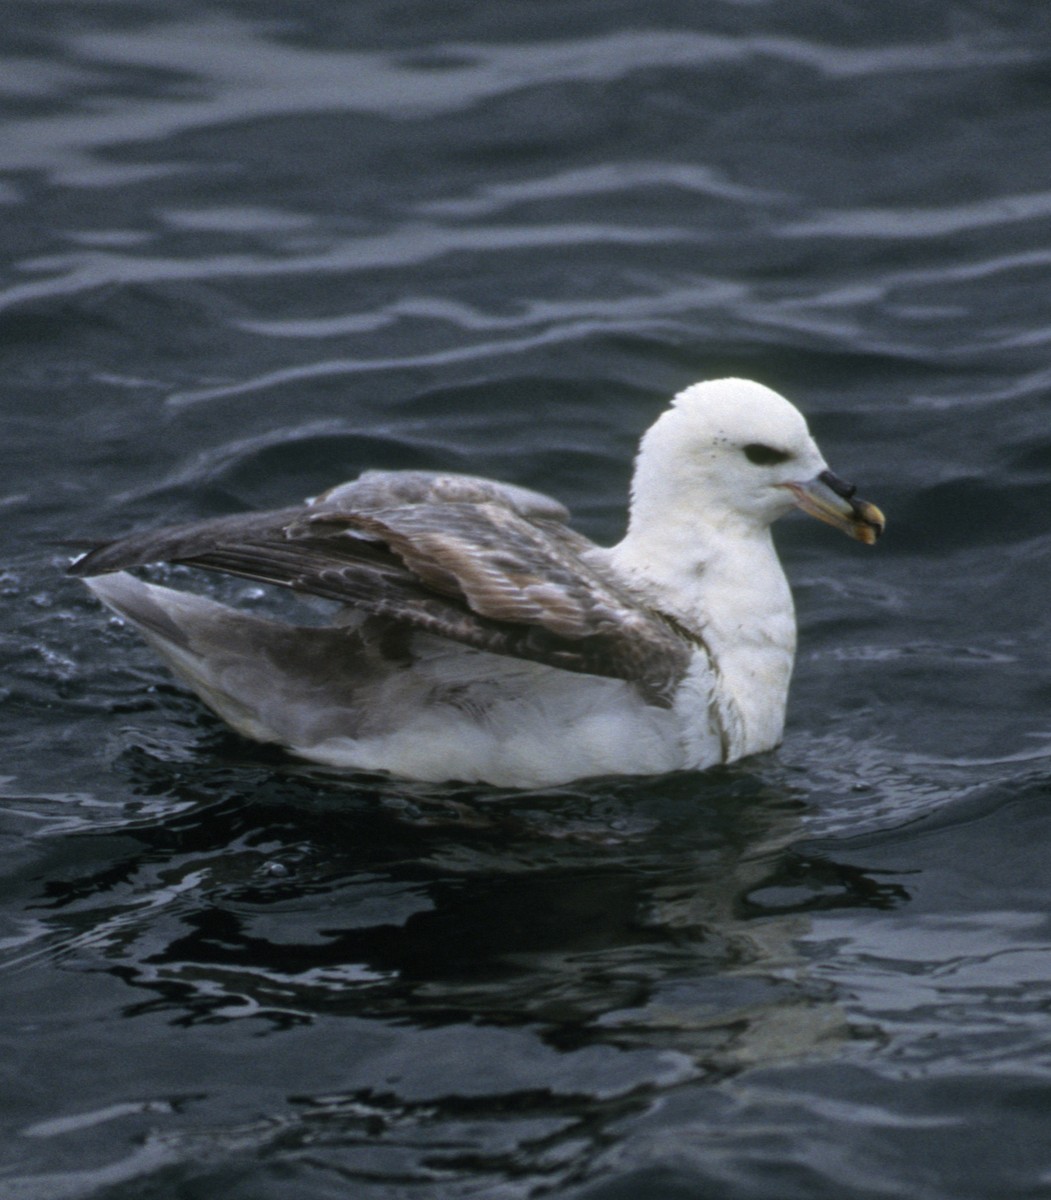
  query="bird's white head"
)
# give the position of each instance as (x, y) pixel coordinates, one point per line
(731, 454)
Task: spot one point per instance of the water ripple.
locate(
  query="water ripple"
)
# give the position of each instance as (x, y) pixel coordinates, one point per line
(253, 75)
(468, 318)
(355, 366)
(611, 177)
(941, 221)
(408, 246)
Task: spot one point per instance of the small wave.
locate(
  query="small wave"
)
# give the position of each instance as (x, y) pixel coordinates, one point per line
(407, 246)
(1023, 386)
(354, 366)
(639, 307)
(217, 462)
(237, 219)
(943, 221)
(140, 1163)
(242, 73)
(605, 178)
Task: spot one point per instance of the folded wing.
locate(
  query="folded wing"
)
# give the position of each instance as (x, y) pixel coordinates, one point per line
(487, 565)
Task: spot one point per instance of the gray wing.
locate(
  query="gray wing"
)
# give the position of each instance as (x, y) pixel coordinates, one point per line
(484, 564)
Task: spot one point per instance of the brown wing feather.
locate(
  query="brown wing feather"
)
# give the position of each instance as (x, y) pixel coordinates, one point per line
(483, 564)
(182, 543)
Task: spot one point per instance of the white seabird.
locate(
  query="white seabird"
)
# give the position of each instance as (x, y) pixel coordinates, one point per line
(482, 639)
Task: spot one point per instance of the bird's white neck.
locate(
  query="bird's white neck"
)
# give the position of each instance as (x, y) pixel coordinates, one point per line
(724, 584)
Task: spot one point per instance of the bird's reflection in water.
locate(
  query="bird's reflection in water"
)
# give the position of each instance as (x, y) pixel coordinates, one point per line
(657, 922)
(616, 910)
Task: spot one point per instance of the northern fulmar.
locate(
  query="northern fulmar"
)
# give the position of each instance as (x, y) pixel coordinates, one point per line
(479, 638)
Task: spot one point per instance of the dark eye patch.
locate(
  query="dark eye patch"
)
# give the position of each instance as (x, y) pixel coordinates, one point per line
(765, 456)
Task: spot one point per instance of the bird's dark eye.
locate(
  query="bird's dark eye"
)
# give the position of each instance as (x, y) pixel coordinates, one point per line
(765, 456)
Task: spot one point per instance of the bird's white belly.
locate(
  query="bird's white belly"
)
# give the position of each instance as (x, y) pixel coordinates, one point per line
(524, 726)
(448, 712)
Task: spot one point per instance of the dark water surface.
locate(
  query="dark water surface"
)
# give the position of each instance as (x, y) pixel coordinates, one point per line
(251, 248)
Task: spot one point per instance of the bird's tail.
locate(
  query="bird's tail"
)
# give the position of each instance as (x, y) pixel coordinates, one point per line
(272, 682)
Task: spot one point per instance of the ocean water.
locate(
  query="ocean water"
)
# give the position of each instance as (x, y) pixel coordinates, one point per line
(249, 249)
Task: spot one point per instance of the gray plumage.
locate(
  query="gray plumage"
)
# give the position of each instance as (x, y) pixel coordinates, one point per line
(484, 564)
